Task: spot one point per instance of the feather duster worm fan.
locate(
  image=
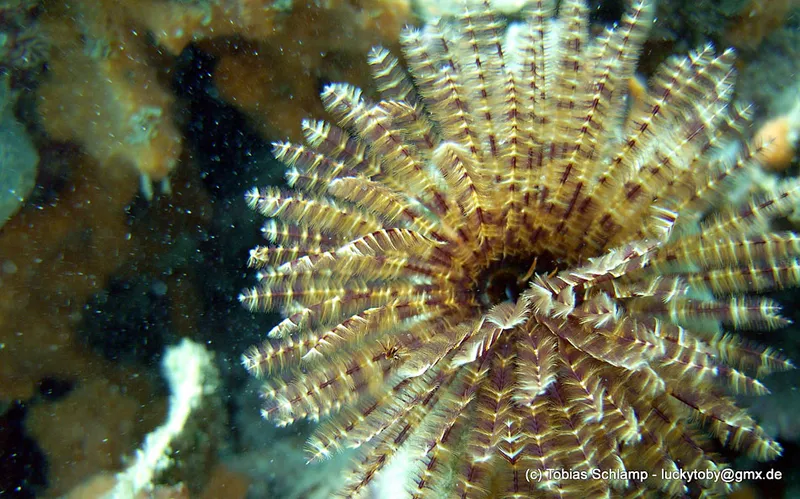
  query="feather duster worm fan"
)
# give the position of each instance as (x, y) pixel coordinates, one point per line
(506, 266)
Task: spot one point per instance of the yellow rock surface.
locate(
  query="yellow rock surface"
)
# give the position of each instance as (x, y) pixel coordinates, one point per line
(102, 90)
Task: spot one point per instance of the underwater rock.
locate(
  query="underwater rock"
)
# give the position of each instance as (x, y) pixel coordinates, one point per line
(18, 159)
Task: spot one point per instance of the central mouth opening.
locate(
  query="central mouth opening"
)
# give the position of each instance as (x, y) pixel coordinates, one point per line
(505, 280)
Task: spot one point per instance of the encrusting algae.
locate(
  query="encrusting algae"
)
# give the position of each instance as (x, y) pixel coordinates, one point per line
(504, 268)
